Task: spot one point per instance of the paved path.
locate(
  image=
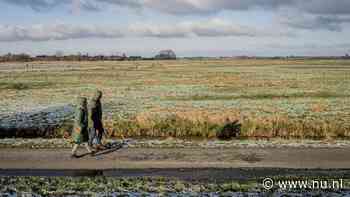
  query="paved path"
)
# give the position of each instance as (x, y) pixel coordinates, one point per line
(183, 162)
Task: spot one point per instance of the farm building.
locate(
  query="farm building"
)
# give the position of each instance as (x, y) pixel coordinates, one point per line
(166, 55)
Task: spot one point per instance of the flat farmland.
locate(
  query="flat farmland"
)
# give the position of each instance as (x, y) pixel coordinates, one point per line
(190, 98)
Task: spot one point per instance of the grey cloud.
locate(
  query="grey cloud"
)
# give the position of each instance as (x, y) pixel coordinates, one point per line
(336, 7)
(88, 5)
(36, 4)
(212, 6)
(315, 22)
(158, 31)
(211, 28)
(193, 7)
(55, 32)
(126, 3)
(44, 5)
(310, 14)
(216, 27)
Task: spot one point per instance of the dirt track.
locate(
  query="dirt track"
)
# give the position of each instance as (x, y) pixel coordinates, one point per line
(183, 162)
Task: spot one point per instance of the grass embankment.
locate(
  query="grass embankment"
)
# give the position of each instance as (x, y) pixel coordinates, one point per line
(272, 127)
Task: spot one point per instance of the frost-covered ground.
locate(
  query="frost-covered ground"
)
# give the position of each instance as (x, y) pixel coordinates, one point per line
(263, 91)
(103, 187)
(190, 194)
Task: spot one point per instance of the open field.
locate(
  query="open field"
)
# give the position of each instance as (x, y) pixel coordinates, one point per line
(184, 98)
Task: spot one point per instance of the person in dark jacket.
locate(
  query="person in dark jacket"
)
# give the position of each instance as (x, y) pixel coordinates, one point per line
(80, 132)
(95, 123)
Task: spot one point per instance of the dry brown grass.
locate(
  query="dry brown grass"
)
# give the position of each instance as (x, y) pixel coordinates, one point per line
(203, 124)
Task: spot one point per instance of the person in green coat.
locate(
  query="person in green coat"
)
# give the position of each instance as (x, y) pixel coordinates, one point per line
(95, 120)
(80, 132)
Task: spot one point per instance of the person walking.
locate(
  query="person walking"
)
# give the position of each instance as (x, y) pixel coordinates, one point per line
(80, 133)
(95, 121)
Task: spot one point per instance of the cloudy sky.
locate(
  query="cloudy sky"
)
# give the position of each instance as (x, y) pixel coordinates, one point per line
(190, 27)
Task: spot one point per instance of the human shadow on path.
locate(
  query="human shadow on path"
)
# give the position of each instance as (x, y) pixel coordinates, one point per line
(82, 155)
(110, 147)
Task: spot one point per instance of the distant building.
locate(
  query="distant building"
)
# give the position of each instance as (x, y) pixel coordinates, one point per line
(166, 55)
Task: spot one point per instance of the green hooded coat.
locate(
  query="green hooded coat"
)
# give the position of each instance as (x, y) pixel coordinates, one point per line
(80, 132)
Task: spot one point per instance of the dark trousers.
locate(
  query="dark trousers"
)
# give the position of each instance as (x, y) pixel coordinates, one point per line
(93, 134)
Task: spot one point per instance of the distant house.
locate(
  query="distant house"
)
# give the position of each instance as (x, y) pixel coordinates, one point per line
(166, 55)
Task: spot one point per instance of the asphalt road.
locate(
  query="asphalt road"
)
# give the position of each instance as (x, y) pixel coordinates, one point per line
(186, 163)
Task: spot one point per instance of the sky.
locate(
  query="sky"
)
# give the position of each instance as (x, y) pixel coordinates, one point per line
(189, 27)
